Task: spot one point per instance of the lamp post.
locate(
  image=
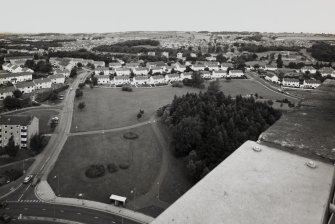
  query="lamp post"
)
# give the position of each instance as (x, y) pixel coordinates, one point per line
(133, 193)
(82, 198)
(58, 194)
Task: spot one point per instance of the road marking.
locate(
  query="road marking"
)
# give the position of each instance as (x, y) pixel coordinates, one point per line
(7, 208)
(78, 213)
(20, 197)
(43, 209)
(96, 217)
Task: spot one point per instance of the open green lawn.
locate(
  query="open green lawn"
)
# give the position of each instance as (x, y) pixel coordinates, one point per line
(110, 108)
(143, 155)
(44, 117)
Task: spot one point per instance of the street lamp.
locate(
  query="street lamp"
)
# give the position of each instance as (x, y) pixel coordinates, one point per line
(133, 193)
(58, 194)
(82, 198)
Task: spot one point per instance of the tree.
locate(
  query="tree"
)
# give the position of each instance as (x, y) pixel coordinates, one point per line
(279, 61)
(81, 105)
(17, 93)
(11, 148)
(73, 72)
(94, 81)
(214, 86)
(53, 96)
(79, 93)
(11, 103)
(37, 143)
(30, 64)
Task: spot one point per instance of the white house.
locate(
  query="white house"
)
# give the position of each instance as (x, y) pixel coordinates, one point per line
(99, 63)
(57, 78)
(291, 82)
(157, 70)
(212, 66)
(225, 66)
(271, 77)
(311, 84)
(179, 55)
(114, 65)
(165, 54)
(26, 87)
(103, 70)
(103, 79)
(236, 73)
(198, 67)
(132, 65)
(270, 67)
(121, 80)
(151, 53)
(140, 80)
(219, 74)
(168, 69)
(42, 83)
(193, 55)
(6, 91)
(309, 69)
(64, 72)
(172, 77)
(206, 75)
(122, 71)
(140, 71)
(180, 68)
(186, 75)
(150, 65)
(15, 77)
(327, 71)
(157, 79)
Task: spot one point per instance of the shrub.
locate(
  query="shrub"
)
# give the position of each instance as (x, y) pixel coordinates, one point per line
(177, 84)
(127, 88)
(112, 168)
(95, 171)
(130, 135)
(124, 166)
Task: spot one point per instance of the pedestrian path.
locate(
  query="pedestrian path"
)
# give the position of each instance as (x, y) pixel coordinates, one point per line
(44, 193)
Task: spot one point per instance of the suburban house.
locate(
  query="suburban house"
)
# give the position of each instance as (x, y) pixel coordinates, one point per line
(140, 71)
(225, 66)
(64, 72)
(206, 75)
(26, 87)
(157, 70)
(132, 65)
(179, 55)
(122, 71)
(103, 79)
(21, 127)
(327, 71)
(99, 63)
(271, 77)
(186, 75)
(156, 79)
(18, 60)
(236, 73)
(57, 78)
(180, 68)
(212, 66)
(140, 80)
(103, 70)
(198, 67)
(6, 91)
(122, 79)
(15, 68)
(270, 67)
(165, 54)
(42, 83)
(219, 74)
(168, 69)
(309, 69)
(114, 65)
(151, 53)
(193, 55)
(172, 77)
(311, 84)
(150, 65)
(15, 77)
(291, 82)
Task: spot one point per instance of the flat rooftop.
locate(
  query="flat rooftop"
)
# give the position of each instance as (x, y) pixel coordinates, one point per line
(270, 186)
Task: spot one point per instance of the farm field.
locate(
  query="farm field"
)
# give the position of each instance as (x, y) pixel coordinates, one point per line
(143, 156)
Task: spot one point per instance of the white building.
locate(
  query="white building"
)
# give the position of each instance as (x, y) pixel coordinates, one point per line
(140, 71)
(21, 127)
(114, 65)
(157, 70)
(327, 71)
(122, 71)
(309, 69)
(270, 67)
(225, 66)
(179, 55)
(99, 63)
(26, 87)
(180, 68)
(150, 65)
(236, 73)
(271, 77)
(186, 75)
(42, 83)
(57, 78)
(206, 75)
(219, 74)
(198, 67)
(212, 66)
(121, 80)
(157, 79)
(103, 70)
(151, 53)
(132, 66)
(165, 54)
(6, 91)
(172, 77)
(15, 77)
(311, 84)
(291, 82)
(140, 80)
(103, 79)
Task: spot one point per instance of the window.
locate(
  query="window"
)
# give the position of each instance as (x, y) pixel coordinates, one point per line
(5, 132)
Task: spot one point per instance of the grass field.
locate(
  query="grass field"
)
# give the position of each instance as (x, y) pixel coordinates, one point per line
(44, 117)
(79, 152)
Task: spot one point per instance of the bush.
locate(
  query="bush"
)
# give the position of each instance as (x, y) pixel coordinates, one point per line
(124, 166)
(13, 174)
(95, 171)
(112, 168)
(177, 84)
(127, 88)
(130, 135)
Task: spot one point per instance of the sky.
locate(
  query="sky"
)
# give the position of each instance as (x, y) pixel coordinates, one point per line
(72, 16)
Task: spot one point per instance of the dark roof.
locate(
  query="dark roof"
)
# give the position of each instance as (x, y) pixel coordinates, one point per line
(3, 75)
(311, 81)
(42, 80)
(22, 120)
(56, 76)
(25, 84)
(7, 89)
(290, 80)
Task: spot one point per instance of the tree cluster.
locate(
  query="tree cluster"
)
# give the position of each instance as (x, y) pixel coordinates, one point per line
(196, 82)
(260, 48)
(41, 66)
(323, 52)
(208, 127)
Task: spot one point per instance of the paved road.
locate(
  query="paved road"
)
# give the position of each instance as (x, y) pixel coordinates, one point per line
(81, 215)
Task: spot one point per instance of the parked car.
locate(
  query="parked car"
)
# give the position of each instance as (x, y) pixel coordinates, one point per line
(27, 179)
(5, 218)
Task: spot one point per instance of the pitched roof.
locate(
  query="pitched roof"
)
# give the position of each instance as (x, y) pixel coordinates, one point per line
(22, 120)
(121, 77)
(311, 81)
(236, 71)
(157, 77)
(290, 80)
(42, 80)
(13, 75)
(7, 89)
(141, 77)
(103, 76)
(25, 84)
(56, 76)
